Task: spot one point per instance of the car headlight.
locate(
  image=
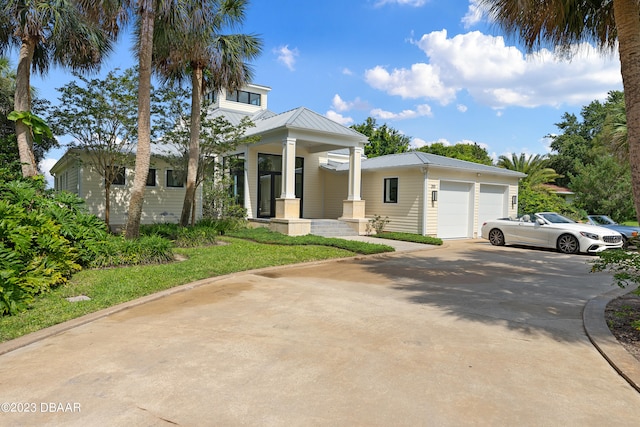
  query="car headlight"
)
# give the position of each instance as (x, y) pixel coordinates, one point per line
(591, 236)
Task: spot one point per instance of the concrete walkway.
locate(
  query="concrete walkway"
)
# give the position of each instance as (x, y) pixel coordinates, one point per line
(465, 334)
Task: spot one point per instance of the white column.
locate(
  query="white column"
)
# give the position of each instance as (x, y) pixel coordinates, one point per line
(288, 168)
(355, 173)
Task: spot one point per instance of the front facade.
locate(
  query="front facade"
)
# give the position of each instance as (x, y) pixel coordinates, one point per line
(76, 172)
(307, 167)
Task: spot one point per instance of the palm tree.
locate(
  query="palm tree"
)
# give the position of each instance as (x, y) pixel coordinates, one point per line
(533, 165)
(195, 46)
(46, 33)
(607, 23)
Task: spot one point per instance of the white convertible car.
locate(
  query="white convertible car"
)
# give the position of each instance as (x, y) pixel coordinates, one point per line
(551, 230)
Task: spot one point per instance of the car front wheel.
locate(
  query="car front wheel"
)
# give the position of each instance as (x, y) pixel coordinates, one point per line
(496, 237)
(568, 244)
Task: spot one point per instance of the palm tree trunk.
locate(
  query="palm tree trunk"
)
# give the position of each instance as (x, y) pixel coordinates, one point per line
(626, 15)
(143, 152)
(194, 145)
(22, 102)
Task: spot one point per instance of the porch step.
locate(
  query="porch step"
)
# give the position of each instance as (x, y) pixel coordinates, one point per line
(331, 228)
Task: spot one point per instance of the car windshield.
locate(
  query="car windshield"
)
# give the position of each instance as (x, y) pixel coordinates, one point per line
(602, 220)
(555, 218)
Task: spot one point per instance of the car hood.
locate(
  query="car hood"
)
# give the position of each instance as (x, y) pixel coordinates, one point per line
(602, 231)
(622, 228)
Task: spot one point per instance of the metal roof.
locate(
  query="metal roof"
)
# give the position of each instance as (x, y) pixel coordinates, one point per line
(420, 159)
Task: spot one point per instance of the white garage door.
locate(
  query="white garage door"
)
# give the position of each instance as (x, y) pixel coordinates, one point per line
(492, 203)
(454, 210)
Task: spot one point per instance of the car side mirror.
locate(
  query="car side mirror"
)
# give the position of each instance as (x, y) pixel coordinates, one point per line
(540, 221)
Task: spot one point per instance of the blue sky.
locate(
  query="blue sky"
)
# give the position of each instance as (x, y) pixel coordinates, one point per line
(436, 70)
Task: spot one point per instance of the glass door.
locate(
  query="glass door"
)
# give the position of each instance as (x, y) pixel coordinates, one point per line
(270, 183)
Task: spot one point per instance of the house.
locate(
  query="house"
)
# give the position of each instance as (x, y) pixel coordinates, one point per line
(76, 172)
(563, 192)
(306, 167)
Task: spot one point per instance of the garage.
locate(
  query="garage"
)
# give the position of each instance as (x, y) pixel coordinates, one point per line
(492, 203)
(455, 213)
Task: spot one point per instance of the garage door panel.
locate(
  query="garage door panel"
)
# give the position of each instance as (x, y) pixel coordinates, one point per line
(492, 202)
(454, 210)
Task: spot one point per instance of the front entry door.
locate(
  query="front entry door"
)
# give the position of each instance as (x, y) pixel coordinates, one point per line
(270, 183)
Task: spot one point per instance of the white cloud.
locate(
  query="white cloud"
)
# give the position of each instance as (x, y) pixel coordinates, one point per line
(497, 75)
(420, 111)
(337, 117)
(462, 108)
(474, 14)
(339, 104)
(421, 81)
(45, 166)
(417, 143)
(287, 56)
(413, 3)
(347, 72)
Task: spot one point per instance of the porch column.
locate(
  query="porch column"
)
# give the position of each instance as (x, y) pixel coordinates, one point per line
(287, 206)
(355, 173)
(353, 209)
(288, 168)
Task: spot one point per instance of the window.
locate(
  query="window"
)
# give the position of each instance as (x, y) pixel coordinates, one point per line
(391, 190)
(151, 178)
(119, 176)
(234, 166)
(244, 97)
(175, 178)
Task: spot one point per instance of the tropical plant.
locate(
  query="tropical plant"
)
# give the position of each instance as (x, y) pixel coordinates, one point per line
(100, 115)
(532, 165)
(610, 24)
(44, 238)
(194, 47)
(45, 33)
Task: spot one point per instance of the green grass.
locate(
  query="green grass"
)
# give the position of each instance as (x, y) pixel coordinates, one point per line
(109, 287)
(409, 237)
(264, 235)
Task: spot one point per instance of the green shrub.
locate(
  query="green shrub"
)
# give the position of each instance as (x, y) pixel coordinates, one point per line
(35, 254)
(117, 251)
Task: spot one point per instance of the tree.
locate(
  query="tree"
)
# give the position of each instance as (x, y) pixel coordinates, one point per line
(9, 154)
(382, 139)
(46, 33)
(535, 166)
(469, 152)
(101, 116)
(607, 23)
(217, 136)
(604, 187)
(195, 46)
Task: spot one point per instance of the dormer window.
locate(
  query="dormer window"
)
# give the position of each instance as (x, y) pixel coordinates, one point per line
(244, 97)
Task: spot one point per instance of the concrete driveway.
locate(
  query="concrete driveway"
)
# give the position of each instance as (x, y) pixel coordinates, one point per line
(466, 334)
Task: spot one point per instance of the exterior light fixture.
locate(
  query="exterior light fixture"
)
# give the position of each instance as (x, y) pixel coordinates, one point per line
(434, 196)
(514, 201)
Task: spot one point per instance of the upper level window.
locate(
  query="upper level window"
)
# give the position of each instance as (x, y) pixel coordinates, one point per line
(244, 97)
(391, 190)
(210, 97)
(119, 176)
(151, 178)
(175, 178)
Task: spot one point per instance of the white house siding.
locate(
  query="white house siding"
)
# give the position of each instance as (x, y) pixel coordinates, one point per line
(404, 216)
(161, 204)
(336, 191)
(313, 185)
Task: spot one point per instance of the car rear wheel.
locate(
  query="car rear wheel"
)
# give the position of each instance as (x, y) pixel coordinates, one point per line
(496, 237)
(568, 244)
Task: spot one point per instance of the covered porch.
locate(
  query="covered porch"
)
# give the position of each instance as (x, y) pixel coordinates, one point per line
(281, 182)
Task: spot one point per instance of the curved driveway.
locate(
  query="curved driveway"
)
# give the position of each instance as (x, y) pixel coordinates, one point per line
(466, 334)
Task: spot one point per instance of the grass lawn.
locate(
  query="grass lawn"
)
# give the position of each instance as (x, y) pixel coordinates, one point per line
(108, 287)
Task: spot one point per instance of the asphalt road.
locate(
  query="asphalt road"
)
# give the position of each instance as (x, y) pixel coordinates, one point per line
(466, 334)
